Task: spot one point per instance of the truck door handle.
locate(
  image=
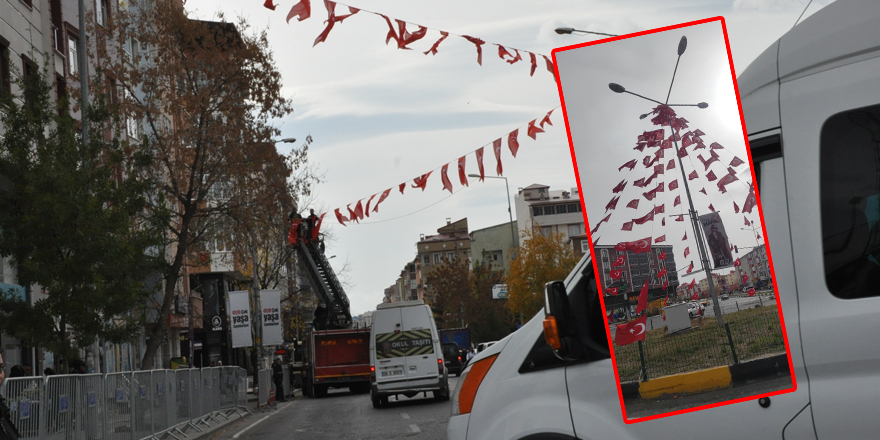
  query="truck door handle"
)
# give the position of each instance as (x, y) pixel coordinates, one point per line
(424, 357)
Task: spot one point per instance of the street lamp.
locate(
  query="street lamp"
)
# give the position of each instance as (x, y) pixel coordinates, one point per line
(568, 30)
(509, 211)
(285, 140)
(617, 88)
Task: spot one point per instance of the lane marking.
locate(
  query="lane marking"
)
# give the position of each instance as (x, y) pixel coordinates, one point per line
(404, 415)
(237, 435)
(415, 429)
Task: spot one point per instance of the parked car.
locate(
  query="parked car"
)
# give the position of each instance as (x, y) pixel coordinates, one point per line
(725, 296)
(452, 357)
(817, 92)
(695, 309)
(484, 345)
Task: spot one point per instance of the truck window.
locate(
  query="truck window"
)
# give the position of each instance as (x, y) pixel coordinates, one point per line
(849, 171)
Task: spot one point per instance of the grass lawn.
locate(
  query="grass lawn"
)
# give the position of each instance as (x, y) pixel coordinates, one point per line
(756, 333)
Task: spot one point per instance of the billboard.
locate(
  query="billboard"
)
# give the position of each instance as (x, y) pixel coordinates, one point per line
(499, 291)
(271, 303)
(239, 310)
(716, 239)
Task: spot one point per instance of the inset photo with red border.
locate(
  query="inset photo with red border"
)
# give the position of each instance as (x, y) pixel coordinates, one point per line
(677, 236)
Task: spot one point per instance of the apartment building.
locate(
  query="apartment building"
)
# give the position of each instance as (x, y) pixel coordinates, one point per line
(451, 241)
(494, 245)
(548, 210)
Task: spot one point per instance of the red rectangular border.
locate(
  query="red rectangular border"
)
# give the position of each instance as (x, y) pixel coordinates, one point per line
(758, 197)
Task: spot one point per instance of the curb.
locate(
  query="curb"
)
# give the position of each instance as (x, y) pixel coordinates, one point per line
(705, 380)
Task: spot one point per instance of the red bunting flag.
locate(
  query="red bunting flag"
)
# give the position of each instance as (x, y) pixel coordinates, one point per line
(433, 49)
(639, 246)
(512, 142)
(685, 236)
(640, 147)
(746, 220)
(620, 261)
(643, 298)
(660, 239)
(662, 273)
(352, 215)
(691, 267)
(660, 209)
(359, 210)
(616, 274)
(695, 297)
(671, 164)
(663, 221)
(727, 180)
(549, 65)
(673, 185)
(631, 164)
(402, 36)
(706, 163)
(628, 226)
(612, 291)
(381, 199)
(715, 146)
(693, 175)
(294, 225)
(534, 130)
(268, 5)
(496, 147)
(502, 52)
(644, 219)
(534, 61)
(600, 222)
(332, 19)
(752, 292)
(462, 176)
(301, 10)
(759, 236)
(479, 43)
(680, 218)
(699, 132)
(447, 184)
(612, 204)
(634, 204)
(341, 218)
(515, 59)
(480, 163)
(686, 141)
(737, 263)
(735, 208)
(546, 119)
(422, 181)
(703, 190)
(750, 202)
(367, 208)
(736, 162)
(402, 187)
(659, 169)
(711, 208)
(677, 200)
(662, 255)
(666, 301)
(620, 186)
(682, 152)
(731, 247)
(711, 176)
(687, 251)
(745, 278)
(630, 332)
(317, 228)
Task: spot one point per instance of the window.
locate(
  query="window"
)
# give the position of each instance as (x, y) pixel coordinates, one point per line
(450, 256)
(585, 248)
(574, 207)
(575, 229)
(72, 58)
(31, 76)
(537, 210)
(437, 257)
(546, 230)
(850, 198)
(131, 124)
(549, 210)
(101, 12)
(5, 79)
(426, 260)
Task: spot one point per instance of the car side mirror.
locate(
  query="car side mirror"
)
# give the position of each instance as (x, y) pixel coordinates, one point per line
(559, 323)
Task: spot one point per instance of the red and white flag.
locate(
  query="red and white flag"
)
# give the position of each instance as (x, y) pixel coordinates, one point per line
(496, 147)
(737, 263)
(662, 273)
(751, 201)
(746, 221)
(643, 298)
(752, 292)
(447, 184)
(631, 164)
(660, 239)
(512, 141)
(301, 10)
(381, 199)
(745, 278)
(533, 130)
(367, 208)
(616, 274)
(673, 185)
(620, 186)
(671, 164)
(480, 163)
(662, 255)
(711, 176)
(462, 176)
(340, 218)
(628, 226)
(693, 175)
(687, 251)
(690, 268)
(620, 261)
(735, 208)
(645, 218)
(677, 200)
(634, 204)
(612, 291)
(630, 332)
(612, 204)
(695, 297)
(421, 181)
(736, 162)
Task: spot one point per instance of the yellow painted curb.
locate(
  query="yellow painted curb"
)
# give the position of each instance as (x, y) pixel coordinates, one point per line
(712, 378)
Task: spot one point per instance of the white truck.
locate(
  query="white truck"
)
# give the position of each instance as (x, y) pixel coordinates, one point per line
(811, 103)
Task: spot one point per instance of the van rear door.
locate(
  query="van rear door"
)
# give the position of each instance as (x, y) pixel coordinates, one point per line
(390, 361)
(421, 359)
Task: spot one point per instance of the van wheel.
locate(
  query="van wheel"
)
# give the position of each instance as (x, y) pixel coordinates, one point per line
(377, 403)
(320, 391)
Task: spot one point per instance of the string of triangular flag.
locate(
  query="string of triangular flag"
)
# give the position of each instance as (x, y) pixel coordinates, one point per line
(361, 210)
(403, 37)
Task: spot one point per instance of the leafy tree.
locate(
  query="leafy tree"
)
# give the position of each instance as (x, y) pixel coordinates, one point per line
(71, 223)
(540, 259)
(450, 286)
(489, 319)
(201, 95)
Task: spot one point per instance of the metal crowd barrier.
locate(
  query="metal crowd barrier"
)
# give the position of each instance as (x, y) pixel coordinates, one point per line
(125, 406)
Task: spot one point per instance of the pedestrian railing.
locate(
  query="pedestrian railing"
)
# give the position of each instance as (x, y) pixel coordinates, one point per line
(125, 406)
(747, 335)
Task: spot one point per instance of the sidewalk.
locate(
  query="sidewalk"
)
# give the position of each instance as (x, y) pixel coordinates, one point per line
(238, 421)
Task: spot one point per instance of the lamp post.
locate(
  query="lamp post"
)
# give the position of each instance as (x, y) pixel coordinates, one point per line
(509, 210)
(617, 88)
(568, 30)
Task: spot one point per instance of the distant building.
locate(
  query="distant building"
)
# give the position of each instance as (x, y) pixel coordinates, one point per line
(756, 265)
(550, 210)
(581, 244)
(452, 240)
(493, 245)
(637, 268)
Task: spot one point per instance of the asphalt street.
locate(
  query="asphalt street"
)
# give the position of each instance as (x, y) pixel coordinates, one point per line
(636, 408)
(343, 415)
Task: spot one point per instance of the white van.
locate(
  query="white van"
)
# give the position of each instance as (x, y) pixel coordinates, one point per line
(812, 108)
(405, 353)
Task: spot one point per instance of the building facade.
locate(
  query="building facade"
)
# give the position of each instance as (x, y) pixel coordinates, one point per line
(635, 269)
(451, 241)
(494, 245)
(548, 210)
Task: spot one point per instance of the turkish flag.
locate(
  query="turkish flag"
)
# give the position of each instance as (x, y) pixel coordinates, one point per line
(671, 164)
(616, 274)
(687, 251)
(640, 246)
(663, 221)
(447, 185)
(660, 239)
(693, 283)
(268, 5)
(665, 285)
(659, 169)
(433, 49)
(533, 130)
(422, 181)
(715, 146)
(680, 218)
(516, 59)
(695, 297)
(711, 208)
(699, 132)
(677, 198)
(736, 162)
(731, 247)
(726, 180)
(620, 186)
(628, 226)
(341, 218)
(643, 299)
(662, 273)
(612, 204)
(686, 141)
(620, 261)
(662, 255)
(294, 225)
(750, 202)
(693, 175)
(631, 164)
(700, 144)
(359, 210)
(534, 61)
(640, 147)
(640, 183)
(737, 263)
(462, 176)
(708, 162)
(512, 142)
(690, 267)
(673, 185)
(634, 204)
(381, 198)
(612, 291)
(402, 187)
(703, 190)
(682, 152)
(547, 116)
(685, 236)
(301, 10)
(711, 176)
(622, 246)
(367, 208)
(630, 332)
(480, 163)
(317, 226)
(745, 278)
(752, 292)
(496, 147)
(644, 219)
(759, 236)
(746, 221)
(479, 43)
(735, 208)
(660, 209)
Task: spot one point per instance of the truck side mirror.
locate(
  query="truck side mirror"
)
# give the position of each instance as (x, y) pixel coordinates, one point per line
(559, 322)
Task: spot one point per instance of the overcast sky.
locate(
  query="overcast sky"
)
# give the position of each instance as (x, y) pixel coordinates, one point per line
(380, 116)
(605, 127)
